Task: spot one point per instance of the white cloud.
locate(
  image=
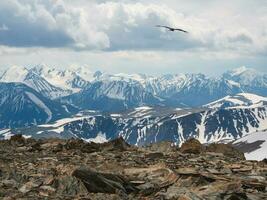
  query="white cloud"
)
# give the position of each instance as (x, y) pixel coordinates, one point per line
(123, 25)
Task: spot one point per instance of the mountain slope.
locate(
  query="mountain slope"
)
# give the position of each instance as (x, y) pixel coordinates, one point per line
(241, 99)
(250, 80)
(205, 89)
(33, 80)
(70, 80)
(178, 90)
(21, 106)
(111, 92)
(253, 145)
(146, 125)
(112, 95)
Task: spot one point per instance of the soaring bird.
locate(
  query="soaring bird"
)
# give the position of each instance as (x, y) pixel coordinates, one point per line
(172, 29)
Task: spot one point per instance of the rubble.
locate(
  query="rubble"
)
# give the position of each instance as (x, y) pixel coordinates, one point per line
(192, 146)
(74, 169)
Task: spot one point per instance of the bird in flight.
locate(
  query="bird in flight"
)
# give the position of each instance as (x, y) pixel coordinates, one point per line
(172, 29)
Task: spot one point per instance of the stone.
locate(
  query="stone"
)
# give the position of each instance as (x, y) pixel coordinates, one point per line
(69, 186)
(74, 169)
(226, 149)
(117, 144)
(27, 187)
(264, 161)
(8, 183)
(156, 155)
(17, 139)
(103, 183)
(48, 188)
(179, 193)
(192, 146)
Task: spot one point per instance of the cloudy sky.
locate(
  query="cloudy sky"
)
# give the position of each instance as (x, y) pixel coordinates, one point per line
(120, 35)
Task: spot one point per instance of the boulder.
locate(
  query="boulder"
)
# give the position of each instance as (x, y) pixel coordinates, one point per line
(192, 146)
(96, 182)
(78, 144)
(163, 146)
(117, 144)
(17, 139)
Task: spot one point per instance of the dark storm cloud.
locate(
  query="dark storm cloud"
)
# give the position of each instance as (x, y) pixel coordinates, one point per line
(21, 31)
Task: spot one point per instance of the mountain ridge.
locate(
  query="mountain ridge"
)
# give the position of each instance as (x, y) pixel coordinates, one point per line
(20, 105)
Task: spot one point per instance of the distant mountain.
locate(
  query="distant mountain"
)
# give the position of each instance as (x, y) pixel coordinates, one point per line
(181, 90)
(250, 80)
(32, 79)
(73, 80)
(198, 89)
(113, 95)
(111, 92)
(145, 125)
(239, 100)
(22, 106)
(195, 90)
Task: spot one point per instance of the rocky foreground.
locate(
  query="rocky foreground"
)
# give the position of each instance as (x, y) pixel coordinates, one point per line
(73, 169)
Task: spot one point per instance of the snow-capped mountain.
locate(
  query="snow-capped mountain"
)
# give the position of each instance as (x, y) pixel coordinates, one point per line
(145, 125)
(250, 80)
(172, 90)
(18, 74)
(142, 109)
(239, 100)
(113, 95)
(73, 80)
(51, 82)
(21, 106)
(97, 90)
(253, 145)
(122, 92)
(204, 88)
(184, 88)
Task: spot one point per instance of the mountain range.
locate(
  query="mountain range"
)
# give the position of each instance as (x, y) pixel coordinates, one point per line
(96, 106)
(111, 92)
(144, 125)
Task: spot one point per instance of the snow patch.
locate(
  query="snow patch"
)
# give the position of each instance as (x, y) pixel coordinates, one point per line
(260, 153)
(6, 133)
(62, 122)
(100, 138)
(143, 108)
(41, 105)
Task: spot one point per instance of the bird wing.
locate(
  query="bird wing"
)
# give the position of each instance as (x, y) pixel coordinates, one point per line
(170, 28)
(164, 26)
(178, 29)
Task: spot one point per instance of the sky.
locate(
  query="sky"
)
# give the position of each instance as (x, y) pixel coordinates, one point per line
(121, 37)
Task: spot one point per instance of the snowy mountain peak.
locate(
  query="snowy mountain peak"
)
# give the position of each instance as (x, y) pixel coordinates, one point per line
(238, 71)
(14, 74)
(241, 72)
(239, 100)
(84, 72)
(69, 79)
(247, 77)
(41, 68)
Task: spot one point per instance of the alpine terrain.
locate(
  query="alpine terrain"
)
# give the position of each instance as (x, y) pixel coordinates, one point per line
(47, 102)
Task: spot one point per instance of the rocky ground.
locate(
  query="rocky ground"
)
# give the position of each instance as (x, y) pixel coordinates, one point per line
(73, 169)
